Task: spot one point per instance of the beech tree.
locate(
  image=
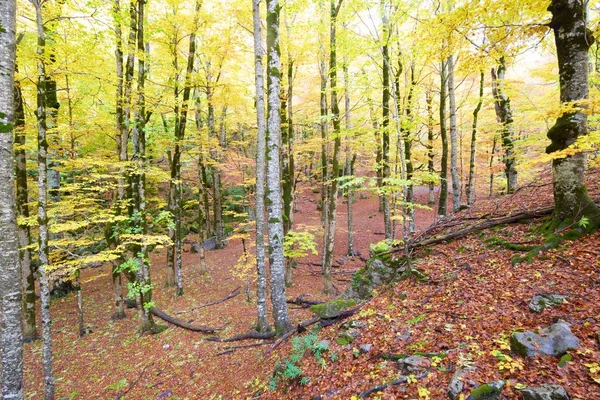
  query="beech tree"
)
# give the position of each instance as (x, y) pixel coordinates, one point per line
(573, 40)
(273, 177)
(10, 278)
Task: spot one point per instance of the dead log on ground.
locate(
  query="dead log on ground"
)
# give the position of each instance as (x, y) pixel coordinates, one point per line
(182, 324)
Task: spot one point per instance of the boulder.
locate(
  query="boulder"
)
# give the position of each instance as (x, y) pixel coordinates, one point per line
(413, 364)
(365, 348)
(456, 385)
(195, 248)
(488, 391)
(366, 279)
(540, 301)
(545, 392)
(554, 341)
(332, 308)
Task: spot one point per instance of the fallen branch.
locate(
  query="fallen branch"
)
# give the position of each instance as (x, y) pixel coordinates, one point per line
(212, 303)
(476, 227)
(245, 336)
(230, 350)
(182, 324)
(299, 301)
(122, 394)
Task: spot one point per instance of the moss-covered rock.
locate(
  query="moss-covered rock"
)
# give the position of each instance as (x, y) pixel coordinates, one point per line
(332, 308)
(553, 341)
(488, 391)
(540, 301)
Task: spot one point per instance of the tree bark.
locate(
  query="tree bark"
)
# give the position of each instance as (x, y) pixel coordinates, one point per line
(262, 323)
(443, 199)
(42, 206)
(471, 184)
(385, 133)
(10, 279)
(504, 115)
(573, 40)
(329, 234)
(430, 154)
(273, 153)
(349, 167)
(456, 186)
(23, 230)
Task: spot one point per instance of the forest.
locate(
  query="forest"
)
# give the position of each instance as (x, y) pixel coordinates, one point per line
(300, 199)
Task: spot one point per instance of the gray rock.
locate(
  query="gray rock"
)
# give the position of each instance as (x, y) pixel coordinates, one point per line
(488, 391)
(540, 301)
(365, 348)
(195, 248)
(412, 364)
(210, 243)
(457, 385)
(554, 341)
(366, 279)
(545, 392)
(353, 324)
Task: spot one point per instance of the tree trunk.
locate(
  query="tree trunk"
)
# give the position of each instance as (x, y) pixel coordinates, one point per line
(385, 132)
(349, 167)
(471, 184)
(443, 199)
(146, 323)
(324, 140)
(573, 40)
(456, 187)
(430, 155)
(504, 115)
(202, 193)
(262, 323)
(407, 128)
(329, 235)
(10, 279)
(23, 231)
(122, 141)
(274, 203)
(42, 206)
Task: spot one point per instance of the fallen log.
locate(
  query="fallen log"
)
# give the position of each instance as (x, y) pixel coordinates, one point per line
(299, 301)
(476, 227)
(245, 336)
(182, 324)
(212, 303)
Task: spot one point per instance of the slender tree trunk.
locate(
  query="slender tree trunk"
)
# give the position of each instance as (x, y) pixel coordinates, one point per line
(456, 186)
(262, 322)
(274, 203)
(329, 236)
(202, 212)
(492, 155)
(122, 141)
(430, 154)
(573, 40)
(10, 279)
(146, 323)
(324, 140)
(471, 184)
(407, 128)
(443, 199)
(385, 132)
(349, 170)
(42, 206)
(23, 231)
(504, 115)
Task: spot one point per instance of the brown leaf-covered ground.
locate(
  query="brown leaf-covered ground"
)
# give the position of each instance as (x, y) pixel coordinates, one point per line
(473, 301)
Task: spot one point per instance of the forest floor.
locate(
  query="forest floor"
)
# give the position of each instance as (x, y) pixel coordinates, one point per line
(474, 299)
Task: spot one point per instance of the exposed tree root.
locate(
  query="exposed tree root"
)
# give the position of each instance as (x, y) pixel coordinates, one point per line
(182, 324)
(230, 350)
(299, 301)
(212, 303)
(245, 336)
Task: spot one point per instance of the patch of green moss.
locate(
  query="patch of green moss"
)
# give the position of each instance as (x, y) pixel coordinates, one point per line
(496, 241)
(332, 308)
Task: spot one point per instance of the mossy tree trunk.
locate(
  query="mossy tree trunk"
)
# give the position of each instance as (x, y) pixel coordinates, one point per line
(573, 40)
(443, 199)
(471, 183)
(273, 177)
